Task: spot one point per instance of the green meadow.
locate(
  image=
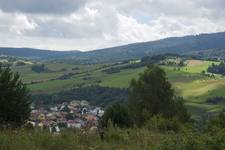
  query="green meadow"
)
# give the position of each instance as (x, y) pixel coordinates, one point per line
(187, 81)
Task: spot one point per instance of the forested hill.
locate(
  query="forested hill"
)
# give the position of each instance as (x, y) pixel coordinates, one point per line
(180, 45)
(36, 53)
(206, 43)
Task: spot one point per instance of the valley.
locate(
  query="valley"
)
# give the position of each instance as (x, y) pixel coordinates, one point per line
(188, 81)
(52, 75)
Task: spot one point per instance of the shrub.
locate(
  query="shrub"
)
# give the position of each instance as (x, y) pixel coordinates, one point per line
(159, 123)
(118, 114)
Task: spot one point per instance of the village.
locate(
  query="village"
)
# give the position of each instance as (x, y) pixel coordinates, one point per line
(76, 115)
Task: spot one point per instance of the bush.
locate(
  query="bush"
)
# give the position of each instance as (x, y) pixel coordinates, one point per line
(216, 123)
(20, 63)
(159, 123)
(118, 115)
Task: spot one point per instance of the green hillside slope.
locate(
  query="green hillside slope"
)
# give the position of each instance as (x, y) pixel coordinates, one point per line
(188, 81)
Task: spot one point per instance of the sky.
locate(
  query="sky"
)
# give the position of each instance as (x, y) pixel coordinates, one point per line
(93, 24)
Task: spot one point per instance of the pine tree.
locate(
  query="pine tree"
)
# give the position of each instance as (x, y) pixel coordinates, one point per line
(14, 99)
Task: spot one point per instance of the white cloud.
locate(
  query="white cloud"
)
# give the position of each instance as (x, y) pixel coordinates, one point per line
(96, 23)
(21, 23)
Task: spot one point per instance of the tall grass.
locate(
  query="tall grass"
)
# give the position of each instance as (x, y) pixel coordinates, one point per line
(115, 138)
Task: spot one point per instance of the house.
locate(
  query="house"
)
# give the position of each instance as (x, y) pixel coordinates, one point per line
(84, 103)
(101, 113)
(48, 123)
(84, 111)
(40, 125)
(91, 118)
(75, 103)
(41, 117)
(31, 123)
(55, 117)
(54, 108)
(74, 124)
(97, 112)
(64, 108)
(51, 116)
(34, 111)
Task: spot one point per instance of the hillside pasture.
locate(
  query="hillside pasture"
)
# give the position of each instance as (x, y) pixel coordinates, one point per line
(188, 81)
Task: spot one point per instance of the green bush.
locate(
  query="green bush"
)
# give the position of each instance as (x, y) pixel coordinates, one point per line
(118, 115)
(159, 123)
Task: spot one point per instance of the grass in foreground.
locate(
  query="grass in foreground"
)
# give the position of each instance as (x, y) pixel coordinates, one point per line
(132, 139)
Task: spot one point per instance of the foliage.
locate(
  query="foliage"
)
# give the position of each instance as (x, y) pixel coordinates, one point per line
(39, 68)
(179, 110)
(159, 123)
(14, 99)
(97, 95)
(66, 76)
(20, 63)
(152, 94)
(216, 100)
(156, 59)
(112, 70)
(116, 138)
(218, 69)
(187, 82)
(216, 123)
(118, 114)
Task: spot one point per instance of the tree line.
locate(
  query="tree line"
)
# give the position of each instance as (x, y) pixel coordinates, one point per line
(217, 69)
(96, 95)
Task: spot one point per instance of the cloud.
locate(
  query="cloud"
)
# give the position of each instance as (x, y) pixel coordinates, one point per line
(41, 6)
(21, 23)
(92, 24)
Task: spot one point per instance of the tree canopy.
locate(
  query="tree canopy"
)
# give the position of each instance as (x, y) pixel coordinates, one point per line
(14, 99)
(118, 114)
(152, 94)
(217, 69)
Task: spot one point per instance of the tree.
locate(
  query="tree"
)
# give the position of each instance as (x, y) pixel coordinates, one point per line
(179, 110)
(118, 114)
(203, 72)
(152, 94)
(14, 99)
(217, 69)
(39, 68)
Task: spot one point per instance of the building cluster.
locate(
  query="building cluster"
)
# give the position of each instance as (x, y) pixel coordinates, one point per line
(76, 114)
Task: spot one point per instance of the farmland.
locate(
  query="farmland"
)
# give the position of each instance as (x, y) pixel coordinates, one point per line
(188, 81)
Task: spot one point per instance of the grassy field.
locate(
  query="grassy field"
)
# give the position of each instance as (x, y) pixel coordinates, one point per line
(188, 81)
(121, 139)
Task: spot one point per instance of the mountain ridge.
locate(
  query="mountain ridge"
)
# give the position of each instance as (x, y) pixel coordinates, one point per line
(180, 45)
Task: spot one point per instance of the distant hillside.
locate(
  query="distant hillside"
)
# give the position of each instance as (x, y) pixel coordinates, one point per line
(180, 45)
(35, 53)
(194, 45)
